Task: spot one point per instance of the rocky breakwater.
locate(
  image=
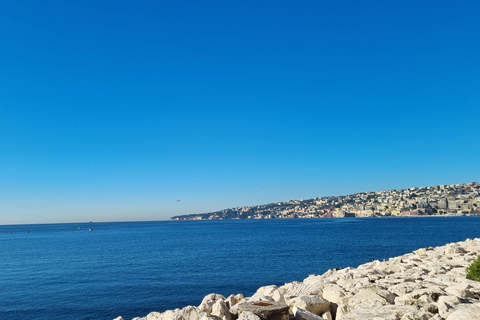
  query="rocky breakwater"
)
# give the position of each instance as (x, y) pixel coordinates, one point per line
(428, 283)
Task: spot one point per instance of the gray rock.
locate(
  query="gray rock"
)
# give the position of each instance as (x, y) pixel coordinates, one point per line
(265, 310)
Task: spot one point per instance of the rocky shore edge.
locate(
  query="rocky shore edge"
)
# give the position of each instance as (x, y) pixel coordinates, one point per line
(429, 283)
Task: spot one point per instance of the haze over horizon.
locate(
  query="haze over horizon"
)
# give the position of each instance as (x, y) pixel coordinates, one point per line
(114, 111)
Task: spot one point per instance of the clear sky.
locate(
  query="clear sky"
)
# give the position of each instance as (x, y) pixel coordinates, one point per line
(115, 110)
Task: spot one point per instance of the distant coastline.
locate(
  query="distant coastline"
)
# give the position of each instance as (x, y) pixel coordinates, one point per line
(441, 200)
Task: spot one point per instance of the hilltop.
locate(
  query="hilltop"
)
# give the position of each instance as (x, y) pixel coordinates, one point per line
(456, 199)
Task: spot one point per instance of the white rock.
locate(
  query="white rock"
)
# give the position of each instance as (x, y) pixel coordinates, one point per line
(278, 296)
(248, 315)
(311, 303)
(461, 290)
(230, 301)
(301, 314)
(445, 305)
(192, 313)
(154, 316)
(297, 289)
(209, 300)
(221, 310)
(268, 290)
(327, 316)
(453, 248)
(187, 313)
(341, 311)
(333, 293)
(372, 293)
(465, 311)
(233, 300)
(258, 296)
(384, 312)
(404, 288)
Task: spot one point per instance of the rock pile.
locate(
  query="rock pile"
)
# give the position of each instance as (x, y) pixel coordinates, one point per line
(426, 284)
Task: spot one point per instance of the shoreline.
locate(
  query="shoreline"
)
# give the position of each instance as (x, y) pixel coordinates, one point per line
(428, 283)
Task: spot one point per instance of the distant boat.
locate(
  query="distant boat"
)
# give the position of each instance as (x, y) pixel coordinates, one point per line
(90, 229)
(79, 228)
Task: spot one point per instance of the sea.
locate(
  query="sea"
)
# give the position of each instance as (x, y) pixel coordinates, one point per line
(105, 270)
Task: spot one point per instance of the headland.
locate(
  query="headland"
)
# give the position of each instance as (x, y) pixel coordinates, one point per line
(455, 199)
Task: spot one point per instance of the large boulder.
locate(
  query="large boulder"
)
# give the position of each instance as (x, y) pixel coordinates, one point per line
(193, 313)
(221, 310)
(334, 293)
(209, 300)
(312, 303)
(187, 313)
(296, 289)
(461, 290)
(265, 310)
(248, 315)
(465, 311)
(301, 314)
(446, 304)
(233, 299)
(387, 312)
(267, 290)
(373, 294)
(258, 296)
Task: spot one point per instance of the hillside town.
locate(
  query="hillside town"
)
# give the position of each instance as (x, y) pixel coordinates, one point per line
(456, 199)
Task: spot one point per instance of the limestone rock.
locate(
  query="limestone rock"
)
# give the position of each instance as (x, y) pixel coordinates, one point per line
(278, 296)
(248, 315)
(233, 300)
(193, 313)
(453, 248)
(327, 316)
(465, 311)
(301, 314)
(386, 312)
(372, 293)
(303, 289)
(209, 300)
(311, 303)
(187, 313)
(258, 296)
(445, 305)
(265, 310)
(404, 288)
(267, 290)
(221, 310)
(461, 290)
(340, 311)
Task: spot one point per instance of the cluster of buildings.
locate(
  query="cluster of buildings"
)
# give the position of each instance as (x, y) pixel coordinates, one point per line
(457, 199)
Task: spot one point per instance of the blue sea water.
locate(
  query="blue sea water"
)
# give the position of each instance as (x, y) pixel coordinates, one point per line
(57, 271)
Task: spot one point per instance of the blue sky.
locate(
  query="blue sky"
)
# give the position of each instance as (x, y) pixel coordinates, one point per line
(114, 110)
